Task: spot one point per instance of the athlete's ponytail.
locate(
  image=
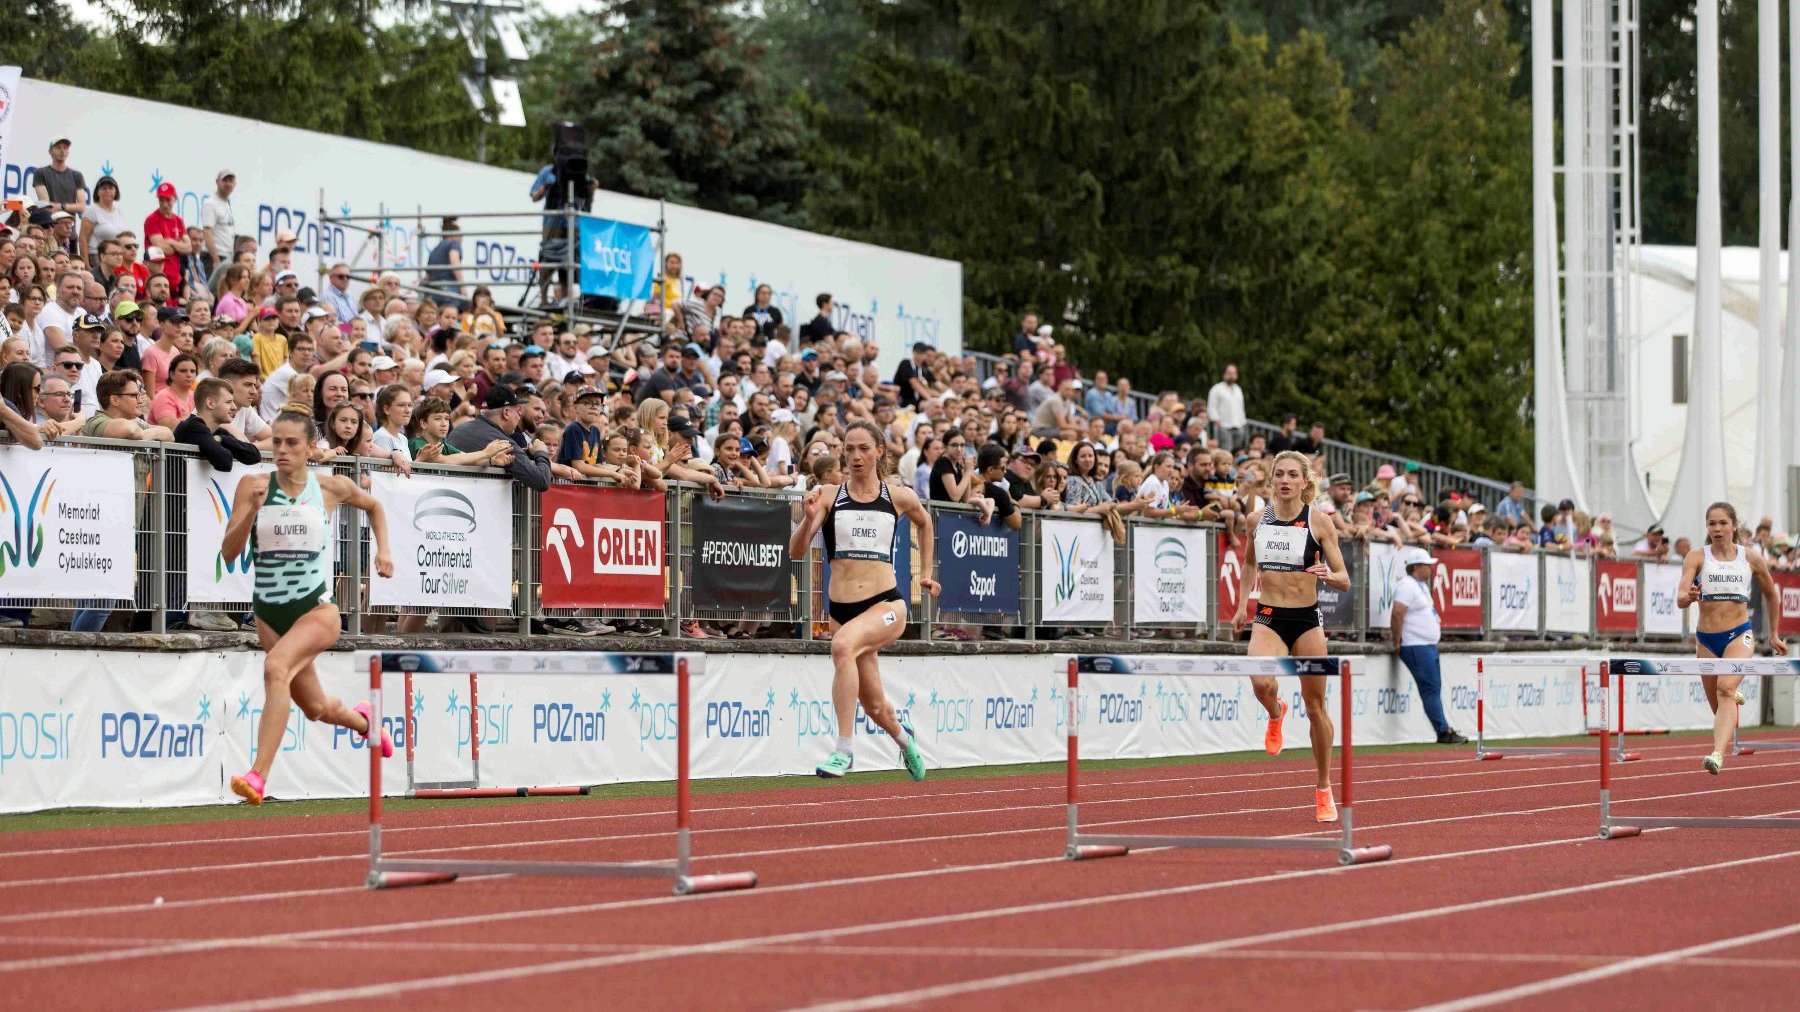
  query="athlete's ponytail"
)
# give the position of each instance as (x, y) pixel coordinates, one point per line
(301, 415)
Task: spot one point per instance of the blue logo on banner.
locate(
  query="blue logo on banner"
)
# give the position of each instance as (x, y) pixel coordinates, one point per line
(978, 566)
(616, 259)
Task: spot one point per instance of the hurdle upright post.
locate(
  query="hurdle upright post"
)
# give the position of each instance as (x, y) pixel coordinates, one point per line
(1344, 753)
(375, 770)
(1074, 757)
(474, 731)
(681, 768)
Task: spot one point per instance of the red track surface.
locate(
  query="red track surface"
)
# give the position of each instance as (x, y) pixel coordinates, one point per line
(952, 893)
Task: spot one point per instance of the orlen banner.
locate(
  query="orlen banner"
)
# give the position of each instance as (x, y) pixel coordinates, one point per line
(1169, 574)
(451, 540)
(1076, 564)
(1661, 588)
(1456, 584)
(68, 524)
(1615, 596)
(1787, 585)
(603, 548)
(891, 297)
(211, 577)
(1512, 592)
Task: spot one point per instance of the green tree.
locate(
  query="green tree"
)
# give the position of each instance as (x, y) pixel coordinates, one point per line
(40, 38)
(680, 106)
(809, 44)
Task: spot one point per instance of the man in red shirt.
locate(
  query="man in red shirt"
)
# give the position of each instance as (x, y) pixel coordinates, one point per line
(164, 230)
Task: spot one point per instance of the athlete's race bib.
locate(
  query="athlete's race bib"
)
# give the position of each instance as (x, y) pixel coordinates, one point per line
(1280, 547)
(289, 533)
(860, 534)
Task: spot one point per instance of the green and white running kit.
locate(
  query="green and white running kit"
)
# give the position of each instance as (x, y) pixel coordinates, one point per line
(290, 544)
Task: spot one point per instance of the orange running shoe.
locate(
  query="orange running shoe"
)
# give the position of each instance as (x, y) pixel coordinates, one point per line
(1272, 736)
(1327, 807)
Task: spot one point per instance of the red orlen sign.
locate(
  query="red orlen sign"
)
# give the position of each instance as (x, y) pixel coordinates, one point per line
(1787, 587)
(1456, 586)
(1231, 581)
(1615, 596)
(603, 548)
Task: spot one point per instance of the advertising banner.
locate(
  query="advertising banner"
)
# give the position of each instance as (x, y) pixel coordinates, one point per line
(1457, 587)
(451, 539)
(1169, 574)
(212, 578)
(1512, 591)
(68, 524)
(1077, 571)
(1568, 602)
(1615, 596)
(603, 548)
(978, 566)
(9, 102)
(1787, 585)
(1661, 588)
(617, 259)
(1233, 581)
(1385, 575)
(740, 554)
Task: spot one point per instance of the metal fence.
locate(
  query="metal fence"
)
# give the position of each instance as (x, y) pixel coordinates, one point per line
(164, 505)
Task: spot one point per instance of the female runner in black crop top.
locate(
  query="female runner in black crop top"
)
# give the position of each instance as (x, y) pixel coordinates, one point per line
(860, 519)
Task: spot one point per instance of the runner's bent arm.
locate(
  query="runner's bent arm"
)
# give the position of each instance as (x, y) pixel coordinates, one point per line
(1336, 574)
(244, 503)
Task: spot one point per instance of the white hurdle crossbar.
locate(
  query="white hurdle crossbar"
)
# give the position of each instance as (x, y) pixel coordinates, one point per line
(1613, 827)
(389, 872)
(1486, 661)
(1083, 846)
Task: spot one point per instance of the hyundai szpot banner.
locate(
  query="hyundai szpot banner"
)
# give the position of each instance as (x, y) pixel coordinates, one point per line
(1169, 574)
(451, 540)
(68, 524)
(1077, 571)
(1615, 596)
(978, 566)
(212, 578)
(740, 554)
(1456, 586)
(603, 548)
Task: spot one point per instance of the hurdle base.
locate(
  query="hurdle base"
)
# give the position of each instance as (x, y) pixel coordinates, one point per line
(1489, 756)
(407, 879)
(1089, 852)
(691, 885)
(440, 793)
(1365, 855)
(1593, 732)
(1704, 822)
(1619, 832)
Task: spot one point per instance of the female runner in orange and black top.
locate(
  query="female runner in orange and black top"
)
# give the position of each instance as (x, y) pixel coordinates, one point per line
(1293, 550)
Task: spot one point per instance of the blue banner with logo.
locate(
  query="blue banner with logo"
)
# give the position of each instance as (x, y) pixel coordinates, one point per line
(977, 565)
(617, 259)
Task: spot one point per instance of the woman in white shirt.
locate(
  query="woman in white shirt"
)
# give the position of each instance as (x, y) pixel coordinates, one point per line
(102, 220)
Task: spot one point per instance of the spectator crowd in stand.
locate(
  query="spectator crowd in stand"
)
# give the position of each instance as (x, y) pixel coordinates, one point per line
(194, 334)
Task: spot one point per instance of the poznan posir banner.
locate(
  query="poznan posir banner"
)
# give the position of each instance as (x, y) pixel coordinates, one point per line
(1661, 588)
(213, 578)
(1512, 591)
(1076, 566)
(451, 540)
(617, 259)
(68, 524)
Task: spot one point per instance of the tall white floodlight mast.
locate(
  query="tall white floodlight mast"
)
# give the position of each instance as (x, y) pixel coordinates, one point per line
(1589, 433)
(1769, 489)
(1701, 477)
(1790, 384)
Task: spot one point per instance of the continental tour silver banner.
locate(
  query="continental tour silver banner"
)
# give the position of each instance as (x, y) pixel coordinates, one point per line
(451, 539)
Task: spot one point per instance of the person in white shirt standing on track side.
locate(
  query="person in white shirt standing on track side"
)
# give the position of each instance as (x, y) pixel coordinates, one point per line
(1719, 575)
(1414, 638)
(860, 520)
(1292, 550)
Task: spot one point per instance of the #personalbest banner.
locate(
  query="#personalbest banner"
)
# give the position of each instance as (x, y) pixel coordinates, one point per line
(68, 524)
(978, 566)
(1169, 574)
(740, 554)
(617, 259)
(1077, 571)
(451, 541)
(212, 578)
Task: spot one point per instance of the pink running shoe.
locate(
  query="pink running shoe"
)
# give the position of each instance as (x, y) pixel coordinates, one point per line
(250, 787)
(387, 741)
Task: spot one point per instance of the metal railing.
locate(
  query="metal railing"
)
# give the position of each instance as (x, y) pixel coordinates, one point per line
(1609, 589)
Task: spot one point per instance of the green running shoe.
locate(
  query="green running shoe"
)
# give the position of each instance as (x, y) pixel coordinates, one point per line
(835, 765)
(909, 753)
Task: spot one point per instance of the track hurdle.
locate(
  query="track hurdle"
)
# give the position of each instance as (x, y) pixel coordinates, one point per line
(1084, 846)
(1584, 664)
(470, 788)
(1614, 827)
(389, 872)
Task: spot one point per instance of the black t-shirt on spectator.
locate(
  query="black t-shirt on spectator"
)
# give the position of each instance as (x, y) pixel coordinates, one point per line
(1279, 443)
(1017, 487)
(1003, 500)
(1023, 342)
(943, 473)
(903, 377)
(219, 448)
(818, 328)
(660, 380)
(766, 319)
(1302, 443)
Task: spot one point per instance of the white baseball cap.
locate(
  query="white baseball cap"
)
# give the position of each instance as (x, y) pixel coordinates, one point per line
(382, 363)
(1416, 556)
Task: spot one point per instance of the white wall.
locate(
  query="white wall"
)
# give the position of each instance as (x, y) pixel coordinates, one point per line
(896, 297)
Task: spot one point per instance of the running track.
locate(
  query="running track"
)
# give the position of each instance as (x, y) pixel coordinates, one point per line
(952, 894)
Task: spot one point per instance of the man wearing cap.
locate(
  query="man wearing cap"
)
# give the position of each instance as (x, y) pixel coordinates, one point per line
(165, 231)
(216, 221)
(1654, 545)
(1413, 636)
(89, 329)
(62, 235)
(59, 186)
(1342, 491)
(383, 370)
(499, 419)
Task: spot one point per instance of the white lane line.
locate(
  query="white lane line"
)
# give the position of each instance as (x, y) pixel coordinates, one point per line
(1027, 977)
(1615, 969)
